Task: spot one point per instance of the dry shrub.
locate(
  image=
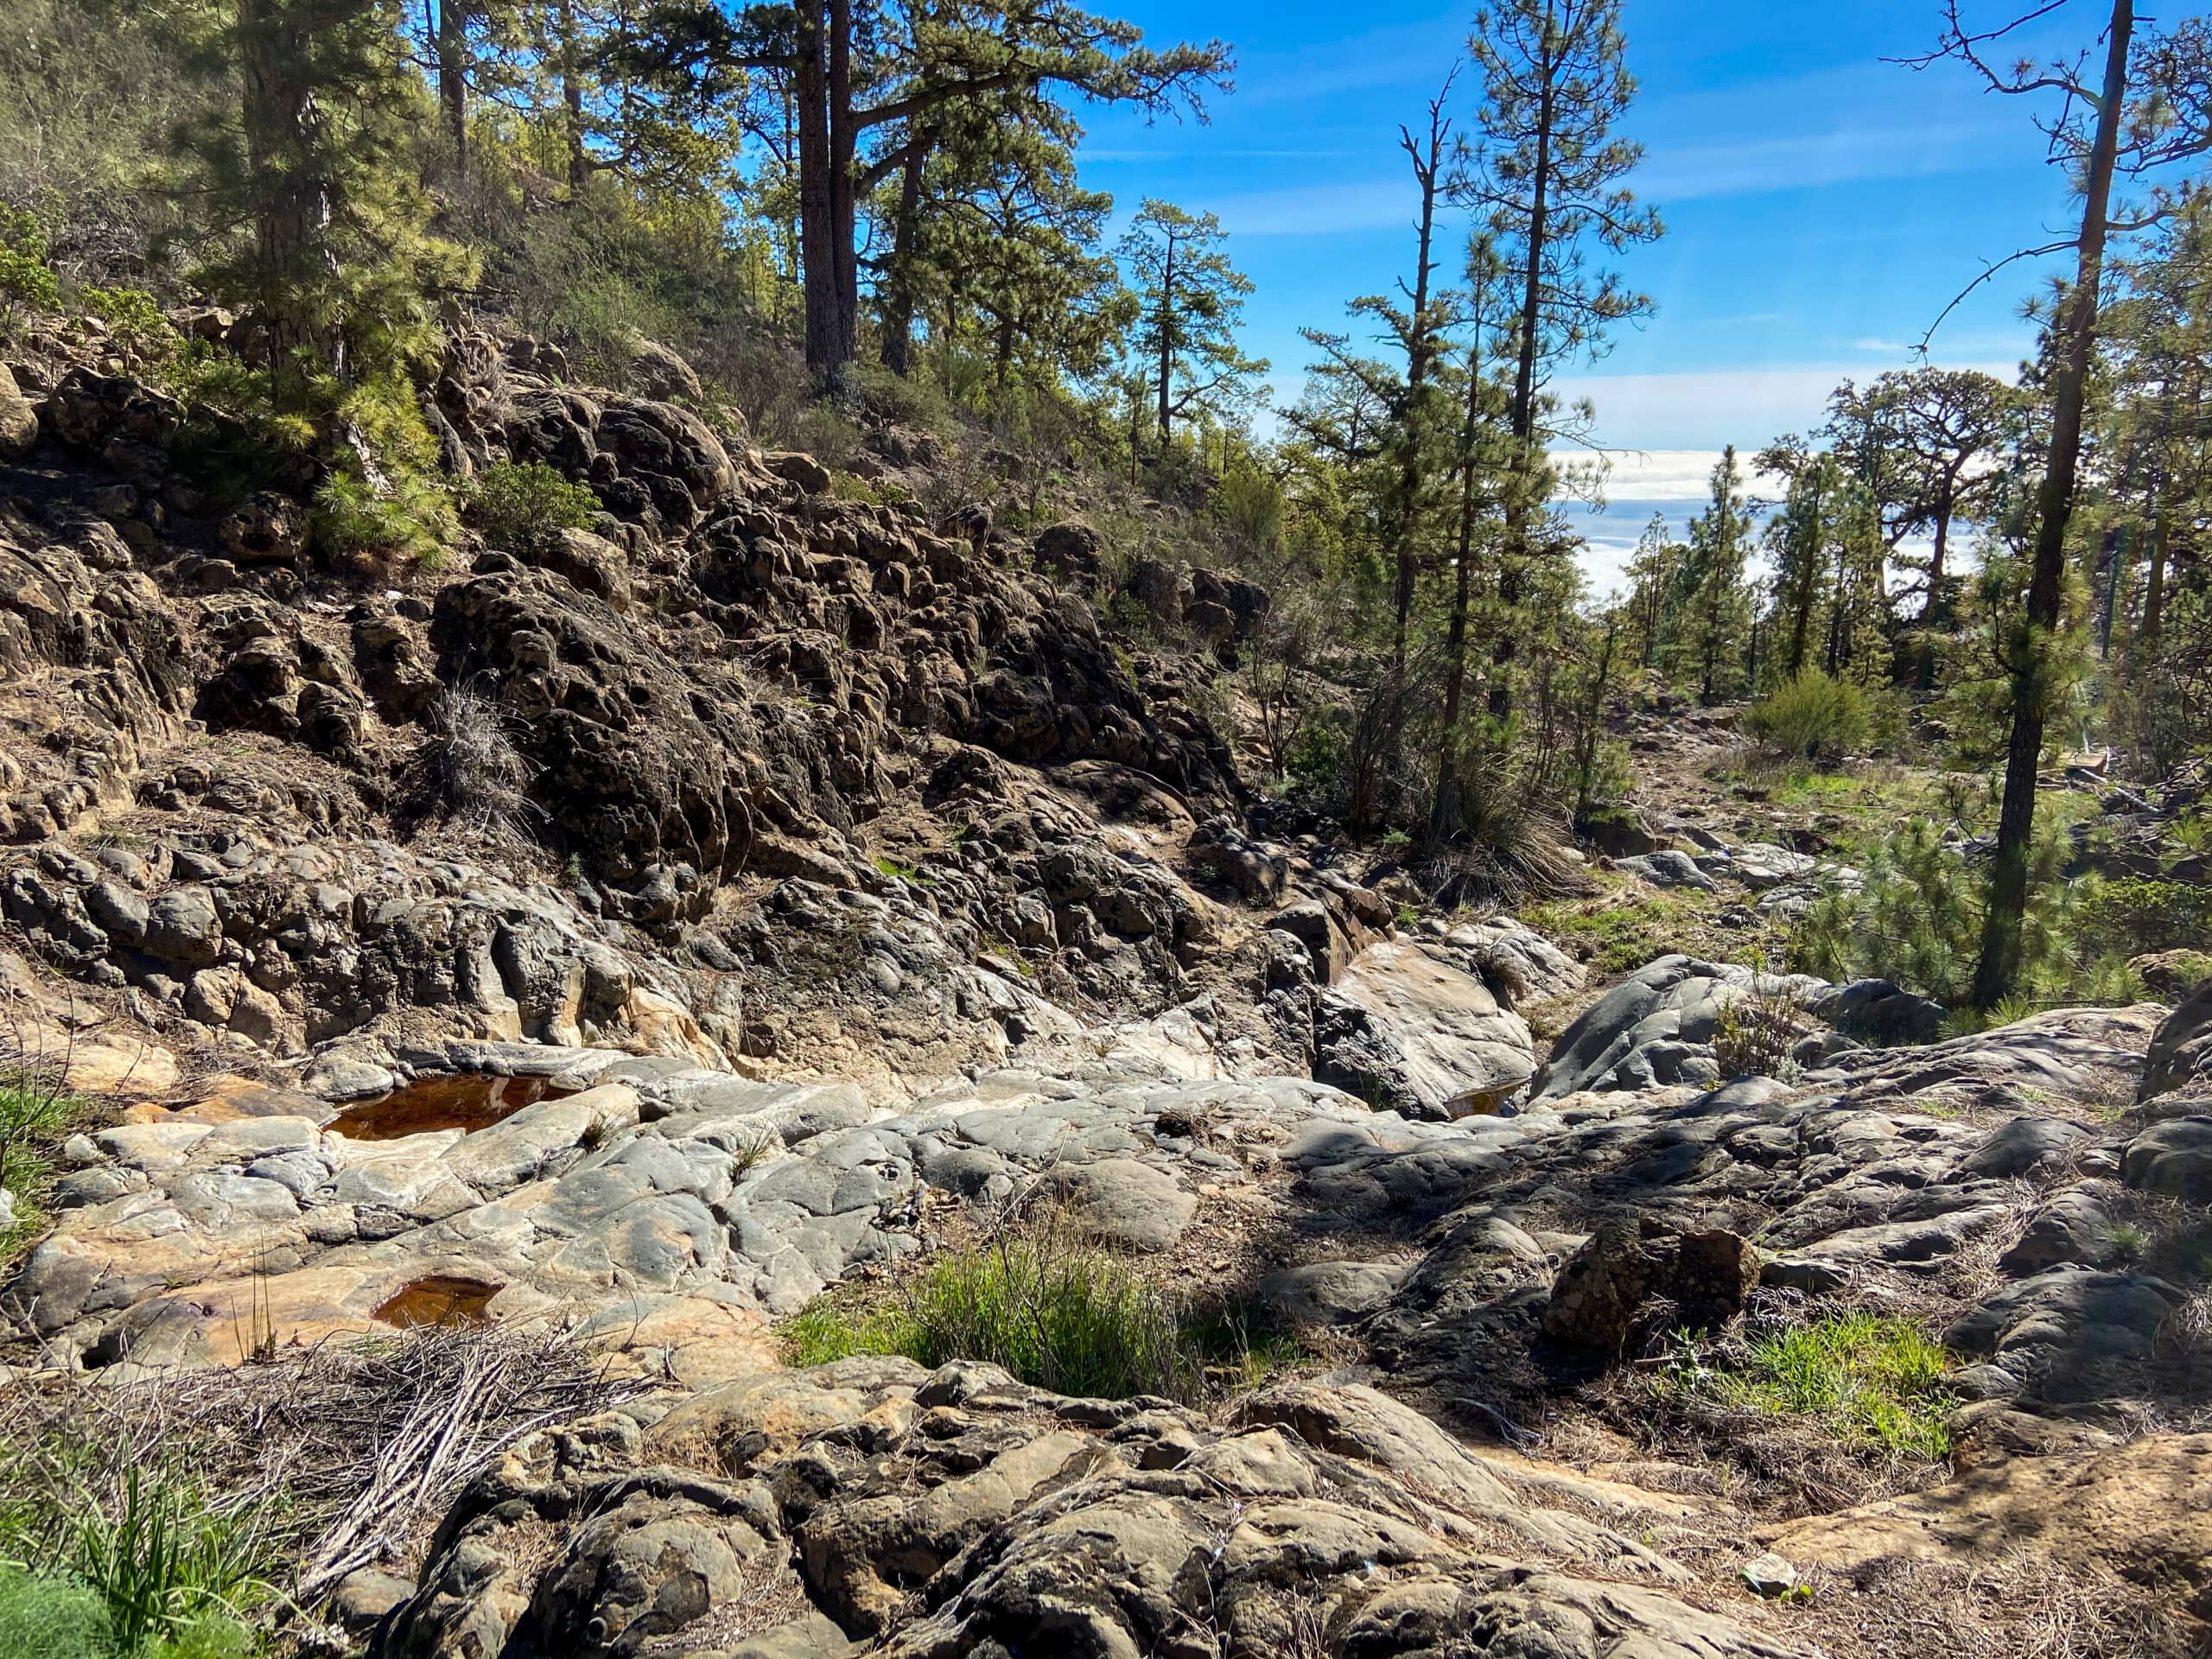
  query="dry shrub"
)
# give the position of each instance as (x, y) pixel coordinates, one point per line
(1758, 1030)
(469, 772)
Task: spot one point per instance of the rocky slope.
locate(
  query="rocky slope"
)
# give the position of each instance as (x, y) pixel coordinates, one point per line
(864, 894)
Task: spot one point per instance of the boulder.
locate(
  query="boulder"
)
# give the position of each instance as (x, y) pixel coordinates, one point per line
(1874, 1010)
(266, 528)
(655, 372)
(2172, 1158)
(1654, 1028)
(1412, 1034)
(1629, 1269)
(2065, 1328)
(18, 418)
(2180, 1059)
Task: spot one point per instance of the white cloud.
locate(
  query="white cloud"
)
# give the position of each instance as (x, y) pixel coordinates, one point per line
(1845, 154)
(1656, 475)
(1706, 408)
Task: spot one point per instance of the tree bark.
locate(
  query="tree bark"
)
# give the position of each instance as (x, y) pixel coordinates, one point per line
(284, 134)
(1506, 648)
(899, 292)
(572, 99)
(845, 253)
(817, 230)
(1417, 355)
(1800, 621)
(1455, 636)
(452, 78)
(1166, 337)
(1998, 972)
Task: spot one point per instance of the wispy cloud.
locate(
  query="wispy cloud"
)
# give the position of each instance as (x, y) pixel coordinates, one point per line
(1843, 155)
(1319, 210)
(1890, 347)
(1399, 54)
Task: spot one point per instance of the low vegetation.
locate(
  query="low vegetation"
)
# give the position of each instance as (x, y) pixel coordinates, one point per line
(1054, 1313)
(36, 1110)
(1625, 926)
(523, 509)
(157, 1568)
(1855, 1376)
(1812, 716)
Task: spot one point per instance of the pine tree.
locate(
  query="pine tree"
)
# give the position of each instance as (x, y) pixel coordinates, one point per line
(1720, 604)
(2145, 112)
(1547, 170)
(1800, 537)
(1190, 301)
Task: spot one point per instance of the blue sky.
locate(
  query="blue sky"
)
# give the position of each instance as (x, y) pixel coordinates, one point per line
(1822, 204)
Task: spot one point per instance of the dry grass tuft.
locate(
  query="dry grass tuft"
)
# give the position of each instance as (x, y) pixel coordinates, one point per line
(469, 771)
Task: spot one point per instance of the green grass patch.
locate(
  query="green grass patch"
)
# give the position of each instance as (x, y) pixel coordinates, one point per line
(34, 1112)
(1618, 937)
(898, 869)
(157, 1571)
(1069, 1317)
(1864, 1376)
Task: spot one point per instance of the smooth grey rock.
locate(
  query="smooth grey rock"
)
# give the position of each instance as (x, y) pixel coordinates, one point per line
(1409, 1033)
(1647, 1030)
(1125, 1202)
(1669, 868)
(2026, 1145)
(2172, 1158)
(1328, 1293)
(2074, 1227)
(2056, 1328)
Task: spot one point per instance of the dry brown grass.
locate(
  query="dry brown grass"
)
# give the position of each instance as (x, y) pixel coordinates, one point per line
(356, 1449)
(2019, 1605)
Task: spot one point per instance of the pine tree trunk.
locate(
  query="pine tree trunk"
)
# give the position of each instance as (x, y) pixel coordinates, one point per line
(1800, 621)
(572, 100)
(1506, 647)
(284, 139)
(452, 78)
(1417, 354)
(1455, 637)
(843, 220)
(1998, 973)
(817, 233)
(1166, 337)
(899, 293)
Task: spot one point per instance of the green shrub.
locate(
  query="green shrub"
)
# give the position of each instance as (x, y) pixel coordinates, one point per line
(34, 1110)
(159, 1573)
(2131, 916)
(168, 1566)
(134, 320)
(1318, 755)
(410, 519)
(50, 1618)
(1054, 1313)
(1811, 717)
(523, 509)
(1865, 1377)
(26, 281)
(1918, 922)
